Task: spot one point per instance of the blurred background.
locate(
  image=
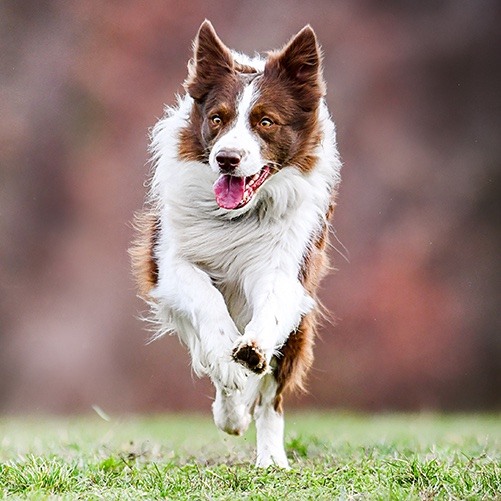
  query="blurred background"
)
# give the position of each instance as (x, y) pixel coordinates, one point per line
(415, 90)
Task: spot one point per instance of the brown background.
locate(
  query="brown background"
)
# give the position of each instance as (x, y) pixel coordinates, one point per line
(415, 90)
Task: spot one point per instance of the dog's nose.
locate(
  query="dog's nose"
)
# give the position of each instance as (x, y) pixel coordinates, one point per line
(228, 160)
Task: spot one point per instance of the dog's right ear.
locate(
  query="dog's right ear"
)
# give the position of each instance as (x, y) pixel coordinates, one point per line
(212, 61)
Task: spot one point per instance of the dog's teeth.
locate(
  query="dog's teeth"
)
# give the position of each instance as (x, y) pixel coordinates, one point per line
(253, 179)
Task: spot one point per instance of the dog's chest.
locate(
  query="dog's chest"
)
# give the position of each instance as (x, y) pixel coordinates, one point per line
(274, 234)
(229, 249)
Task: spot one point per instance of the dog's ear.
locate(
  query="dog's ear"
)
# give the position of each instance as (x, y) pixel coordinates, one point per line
(299, 63)
(212, 61)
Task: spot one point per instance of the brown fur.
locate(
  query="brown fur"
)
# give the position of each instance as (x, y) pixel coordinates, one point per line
(142, 252)
(202, 72)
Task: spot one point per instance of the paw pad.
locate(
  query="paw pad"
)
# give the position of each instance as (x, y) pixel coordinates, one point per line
(251, 357)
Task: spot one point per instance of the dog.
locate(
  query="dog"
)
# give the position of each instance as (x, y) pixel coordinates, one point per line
(232, 241)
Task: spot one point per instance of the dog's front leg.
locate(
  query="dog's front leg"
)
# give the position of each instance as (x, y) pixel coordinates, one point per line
(278, 304)
(204, 323)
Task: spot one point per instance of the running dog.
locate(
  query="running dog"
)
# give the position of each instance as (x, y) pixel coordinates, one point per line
(232, 241)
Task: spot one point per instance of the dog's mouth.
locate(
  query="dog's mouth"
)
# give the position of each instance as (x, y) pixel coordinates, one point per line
(234, 192)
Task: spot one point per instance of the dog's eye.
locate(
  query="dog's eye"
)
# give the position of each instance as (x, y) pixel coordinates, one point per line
(216, 120)
(266, 122)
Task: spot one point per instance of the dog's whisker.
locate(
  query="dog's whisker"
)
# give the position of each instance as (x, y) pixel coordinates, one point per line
(343, 250)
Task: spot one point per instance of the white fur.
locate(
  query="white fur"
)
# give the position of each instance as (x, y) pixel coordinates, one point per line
(269, 428)
(229, 278)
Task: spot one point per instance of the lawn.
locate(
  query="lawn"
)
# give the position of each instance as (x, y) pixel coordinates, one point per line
(332, 455)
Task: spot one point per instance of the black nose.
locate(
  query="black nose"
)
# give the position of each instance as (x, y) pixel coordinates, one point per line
(228, 160)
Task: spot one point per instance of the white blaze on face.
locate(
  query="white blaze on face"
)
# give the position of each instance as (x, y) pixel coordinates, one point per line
(240, 138)
(235, 189)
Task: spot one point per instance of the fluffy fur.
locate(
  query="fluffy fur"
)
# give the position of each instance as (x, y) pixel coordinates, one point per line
(231, 246)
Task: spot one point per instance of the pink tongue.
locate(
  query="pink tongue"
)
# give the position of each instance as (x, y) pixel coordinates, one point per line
(229, 191)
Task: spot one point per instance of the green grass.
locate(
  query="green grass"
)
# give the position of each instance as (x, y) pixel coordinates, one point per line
(332, 455)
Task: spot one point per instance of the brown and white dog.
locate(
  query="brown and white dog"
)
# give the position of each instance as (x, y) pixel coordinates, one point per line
(232, 242)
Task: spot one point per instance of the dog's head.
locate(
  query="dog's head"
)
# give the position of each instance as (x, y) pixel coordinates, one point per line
(251, 118)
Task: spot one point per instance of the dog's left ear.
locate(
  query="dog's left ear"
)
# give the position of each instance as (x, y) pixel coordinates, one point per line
(212, 61)
(300, 64)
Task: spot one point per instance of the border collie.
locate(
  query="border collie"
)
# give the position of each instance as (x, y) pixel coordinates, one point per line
(232, 242)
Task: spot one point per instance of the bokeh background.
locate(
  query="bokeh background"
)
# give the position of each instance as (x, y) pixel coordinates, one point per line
(414, 87)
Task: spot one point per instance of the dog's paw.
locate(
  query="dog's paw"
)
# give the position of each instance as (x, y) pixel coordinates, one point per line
(250, 356)
(232, 413)
(279, 460)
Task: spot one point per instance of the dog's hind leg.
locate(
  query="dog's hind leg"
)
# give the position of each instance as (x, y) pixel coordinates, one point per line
(269, 426)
